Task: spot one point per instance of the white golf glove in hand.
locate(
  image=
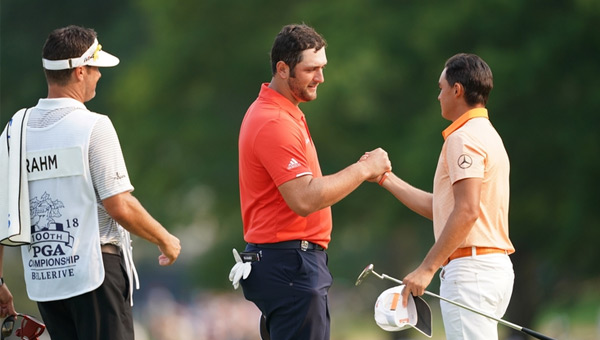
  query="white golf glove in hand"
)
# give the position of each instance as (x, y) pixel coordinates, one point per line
(240, 270)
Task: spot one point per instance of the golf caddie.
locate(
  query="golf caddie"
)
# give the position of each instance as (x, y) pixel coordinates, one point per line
(65, 196)
(468, 206)
(285, 199)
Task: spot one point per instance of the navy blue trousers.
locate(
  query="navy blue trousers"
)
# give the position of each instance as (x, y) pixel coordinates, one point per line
(290, 288)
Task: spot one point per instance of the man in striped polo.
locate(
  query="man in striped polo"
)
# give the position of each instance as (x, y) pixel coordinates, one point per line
(78, 265)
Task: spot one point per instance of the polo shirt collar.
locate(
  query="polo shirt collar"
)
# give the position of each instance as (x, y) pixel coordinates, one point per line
(473, 113)
(269, 94)
(55, 103)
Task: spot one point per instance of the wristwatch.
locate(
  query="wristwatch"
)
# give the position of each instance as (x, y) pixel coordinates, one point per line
(1, 281)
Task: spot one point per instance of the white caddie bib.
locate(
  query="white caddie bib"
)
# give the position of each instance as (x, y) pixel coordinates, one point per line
(64, 258)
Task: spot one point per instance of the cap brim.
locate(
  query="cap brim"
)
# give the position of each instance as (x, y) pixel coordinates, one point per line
(104, 59)
(423, 317)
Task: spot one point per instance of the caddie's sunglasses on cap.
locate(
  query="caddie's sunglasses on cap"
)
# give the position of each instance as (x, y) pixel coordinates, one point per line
(30, 329)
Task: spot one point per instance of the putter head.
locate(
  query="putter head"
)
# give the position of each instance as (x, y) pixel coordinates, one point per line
(368, 270)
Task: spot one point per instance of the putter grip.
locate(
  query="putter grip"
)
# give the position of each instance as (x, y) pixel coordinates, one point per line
(536, 334)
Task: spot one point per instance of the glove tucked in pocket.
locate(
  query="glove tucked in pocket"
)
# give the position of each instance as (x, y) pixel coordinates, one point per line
(241, 269)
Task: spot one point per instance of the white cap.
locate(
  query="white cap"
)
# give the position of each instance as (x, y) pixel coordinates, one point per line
(391, 316)
(94, 56)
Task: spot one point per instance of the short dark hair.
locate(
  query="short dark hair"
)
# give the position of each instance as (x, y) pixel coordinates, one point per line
(64, 43)
(473, 74)
(291, 41)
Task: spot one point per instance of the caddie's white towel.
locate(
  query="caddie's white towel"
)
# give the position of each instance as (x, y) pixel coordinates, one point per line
(15, 223)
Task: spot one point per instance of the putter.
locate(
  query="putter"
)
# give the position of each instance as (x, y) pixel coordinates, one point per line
(369, 270)
(264, 332)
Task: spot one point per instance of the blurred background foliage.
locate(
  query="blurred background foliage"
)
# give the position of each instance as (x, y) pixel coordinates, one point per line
(189, 70)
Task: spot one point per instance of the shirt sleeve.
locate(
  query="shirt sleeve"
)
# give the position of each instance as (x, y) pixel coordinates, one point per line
(281, 148)
(107, 165)
(465, 157)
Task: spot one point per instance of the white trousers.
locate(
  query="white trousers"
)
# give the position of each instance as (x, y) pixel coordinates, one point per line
(483, 282)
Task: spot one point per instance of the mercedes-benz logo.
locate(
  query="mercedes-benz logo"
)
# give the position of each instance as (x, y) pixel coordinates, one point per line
(465, 161)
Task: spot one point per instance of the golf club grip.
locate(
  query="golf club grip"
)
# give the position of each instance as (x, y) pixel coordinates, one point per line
(535, 334)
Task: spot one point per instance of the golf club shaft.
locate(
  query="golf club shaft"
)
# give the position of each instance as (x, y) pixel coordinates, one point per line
(501, 321)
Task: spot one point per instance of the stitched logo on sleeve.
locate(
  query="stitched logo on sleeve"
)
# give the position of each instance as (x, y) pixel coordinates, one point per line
(465, 161)
(119, 177)
(293, 164)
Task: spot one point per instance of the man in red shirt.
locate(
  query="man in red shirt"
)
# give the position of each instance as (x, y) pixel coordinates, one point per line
(285, 199)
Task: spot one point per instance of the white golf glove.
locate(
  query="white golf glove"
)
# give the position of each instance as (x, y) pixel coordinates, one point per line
(240, 270)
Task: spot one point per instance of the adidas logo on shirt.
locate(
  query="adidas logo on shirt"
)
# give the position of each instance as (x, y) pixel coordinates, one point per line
(293, 164)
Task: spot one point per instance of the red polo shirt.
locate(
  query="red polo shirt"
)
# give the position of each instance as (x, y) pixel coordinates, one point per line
(274, 147)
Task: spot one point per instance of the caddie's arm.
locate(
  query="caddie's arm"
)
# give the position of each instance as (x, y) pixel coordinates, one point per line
(130, 213)
(307, 194)
(6, 299)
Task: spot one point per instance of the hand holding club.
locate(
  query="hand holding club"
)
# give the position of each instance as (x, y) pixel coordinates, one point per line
(369, 270)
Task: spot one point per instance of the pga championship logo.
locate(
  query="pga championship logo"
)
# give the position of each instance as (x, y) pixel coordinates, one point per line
(50, 240)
